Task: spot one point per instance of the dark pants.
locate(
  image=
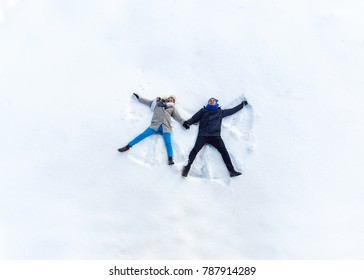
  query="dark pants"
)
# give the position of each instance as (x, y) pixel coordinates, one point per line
(215, 141)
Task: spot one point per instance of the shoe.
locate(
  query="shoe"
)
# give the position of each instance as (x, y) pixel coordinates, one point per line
(185, 170)
(234, 173)
(124, 149)
(170, 161)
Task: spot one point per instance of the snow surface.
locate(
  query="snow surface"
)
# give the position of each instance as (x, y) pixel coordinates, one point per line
(67, 73)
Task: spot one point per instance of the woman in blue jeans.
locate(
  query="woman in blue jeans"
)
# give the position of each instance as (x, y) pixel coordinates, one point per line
(161, 122)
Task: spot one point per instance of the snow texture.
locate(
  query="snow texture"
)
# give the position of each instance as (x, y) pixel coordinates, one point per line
(67, 73)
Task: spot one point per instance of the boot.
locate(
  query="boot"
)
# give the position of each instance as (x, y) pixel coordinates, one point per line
(170, 160)
(234, 173)
(124, 149)
(185, 170)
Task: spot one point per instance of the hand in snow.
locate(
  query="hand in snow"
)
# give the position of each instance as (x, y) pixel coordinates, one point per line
(244, 102)
(136, 95)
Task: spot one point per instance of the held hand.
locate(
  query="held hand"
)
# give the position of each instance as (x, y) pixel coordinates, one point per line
(136, 95)
(186, 125)
(244, 102)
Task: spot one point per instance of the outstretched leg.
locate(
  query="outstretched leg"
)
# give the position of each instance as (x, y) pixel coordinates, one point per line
(200, 142)
(168, 142)
(219, 144)
(148, 132)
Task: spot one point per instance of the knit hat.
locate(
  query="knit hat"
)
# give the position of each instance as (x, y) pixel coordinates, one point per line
(212, 107)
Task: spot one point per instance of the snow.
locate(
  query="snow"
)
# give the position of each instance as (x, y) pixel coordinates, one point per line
(68, 70)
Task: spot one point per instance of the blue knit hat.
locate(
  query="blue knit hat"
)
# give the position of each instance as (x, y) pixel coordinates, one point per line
(212, 107)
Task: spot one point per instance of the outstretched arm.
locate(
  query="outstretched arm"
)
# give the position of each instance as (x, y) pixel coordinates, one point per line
(177, 116)
(196, 117)
(143, 100)
(228, 112)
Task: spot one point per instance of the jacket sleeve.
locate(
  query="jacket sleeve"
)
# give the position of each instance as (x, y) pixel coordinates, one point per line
(177, 116)
(145, 101)
(228, 112)
(196, 117)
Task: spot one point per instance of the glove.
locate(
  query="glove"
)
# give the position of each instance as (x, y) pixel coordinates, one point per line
(244, 102)
(137, 96)
(161, 104)
(186, 125)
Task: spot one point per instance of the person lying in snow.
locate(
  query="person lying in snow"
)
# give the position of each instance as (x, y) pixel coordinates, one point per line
(164, 109)
(210, 118)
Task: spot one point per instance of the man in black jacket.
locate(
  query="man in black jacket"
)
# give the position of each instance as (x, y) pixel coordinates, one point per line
(209, 132)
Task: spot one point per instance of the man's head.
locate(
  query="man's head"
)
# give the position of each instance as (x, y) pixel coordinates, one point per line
(212, 101)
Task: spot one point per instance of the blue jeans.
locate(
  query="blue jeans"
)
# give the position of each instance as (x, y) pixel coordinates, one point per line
(148, 132)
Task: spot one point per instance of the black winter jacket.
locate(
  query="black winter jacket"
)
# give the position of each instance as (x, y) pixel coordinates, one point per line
(210, 120)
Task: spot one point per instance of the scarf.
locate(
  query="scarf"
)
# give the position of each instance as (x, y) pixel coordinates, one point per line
(212, 107)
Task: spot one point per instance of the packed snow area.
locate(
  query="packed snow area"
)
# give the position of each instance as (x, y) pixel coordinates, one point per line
(67, 73)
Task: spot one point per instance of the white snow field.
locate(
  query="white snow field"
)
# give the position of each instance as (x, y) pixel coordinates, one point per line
(68, 69)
